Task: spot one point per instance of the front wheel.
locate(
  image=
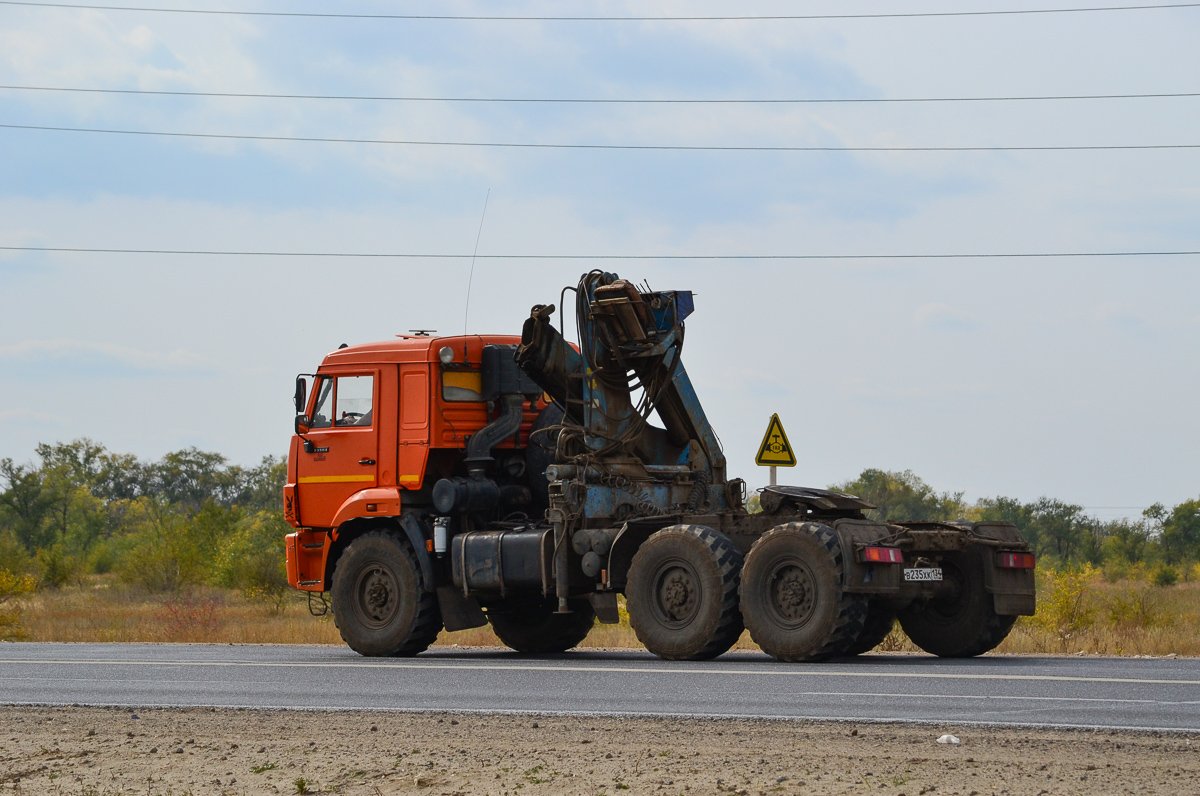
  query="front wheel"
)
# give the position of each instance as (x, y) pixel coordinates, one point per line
(682, 593)
(380, 604)
(532, 626)
(792, 595)
(961, 622)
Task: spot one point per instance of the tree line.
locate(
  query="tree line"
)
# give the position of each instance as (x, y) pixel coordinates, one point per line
(193, 519)
(188, 519)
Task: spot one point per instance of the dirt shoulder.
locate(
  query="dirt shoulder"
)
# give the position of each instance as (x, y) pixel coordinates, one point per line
(102, 751)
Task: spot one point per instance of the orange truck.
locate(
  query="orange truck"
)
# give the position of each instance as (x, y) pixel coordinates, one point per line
(526, 482)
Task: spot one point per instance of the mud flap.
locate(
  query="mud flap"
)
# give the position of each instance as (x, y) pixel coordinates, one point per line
(415, 531)
(859, 577)
(1015, 604)
(604, 603)
(458, 612)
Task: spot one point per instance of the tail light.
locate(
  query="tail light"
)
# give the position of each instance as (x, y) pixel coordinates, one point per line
(1016, 561)
(881, 555)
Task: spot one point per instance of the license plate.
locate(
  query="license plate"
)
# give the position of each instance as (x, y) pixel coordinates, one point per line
(923, 573)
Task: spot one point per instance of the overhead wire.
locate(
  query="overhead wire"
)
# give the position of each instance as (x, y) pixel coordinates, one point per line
(633, 147)
(638, 18)
(449, 256)
(600, 100)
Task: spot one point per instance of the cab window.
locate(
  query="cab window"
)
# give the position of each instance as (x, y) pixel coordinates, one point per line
(323, 411)
(344, 401)
(353, 395)
(462, 385)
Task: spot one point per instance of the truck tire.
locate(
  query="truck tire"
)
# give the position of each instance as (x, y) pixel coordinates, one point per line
(962, 622)
(533, 626)
(380, 605)
(792, 596)
(682, 593)
(879, 622)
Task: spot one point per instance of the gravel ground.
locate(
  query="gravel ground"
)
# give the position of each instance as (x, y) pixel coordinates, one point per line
(98, 751)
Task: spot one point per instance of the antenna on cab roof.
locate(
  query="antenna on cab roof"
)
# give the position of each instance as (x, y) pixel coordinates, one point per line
(471, 275)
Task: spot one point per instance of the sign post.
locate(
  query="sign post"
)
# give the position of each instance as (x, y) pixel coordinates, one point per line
(775, 450)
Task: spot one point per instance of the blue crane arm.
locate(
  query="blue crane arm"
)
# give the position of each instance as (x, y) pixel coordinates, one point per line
(628, 365)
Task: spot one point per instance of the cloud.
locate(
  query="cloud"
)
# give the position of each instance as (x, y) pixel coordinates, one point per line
(944, 318)
(81, 358)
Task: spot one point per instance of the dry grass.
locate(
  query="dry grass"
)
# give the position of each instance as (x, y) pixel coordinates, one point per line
(1124, 618)
(103, 611)
(1083, 614)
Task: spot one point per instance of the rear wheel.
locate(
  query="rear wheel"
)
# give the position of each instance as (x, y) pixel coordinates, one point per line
(792, 596)
(682, 593)
(380, 605)
(961, 622)
(879, 622)
(533, 626)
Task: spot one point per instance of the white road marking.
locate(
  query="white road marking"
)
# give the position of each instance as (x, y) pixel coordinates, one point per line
(689, 671)
(896, 695)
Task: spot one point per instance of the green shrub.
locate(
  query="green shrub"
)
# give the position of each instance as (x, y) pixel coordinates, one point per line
(102, 559)
(1137, 607)
(14, 555)
(1062, 606)
(13, 586)
(56, 568)
(1116, 571)
(1164, 575)
(161, 555)
(253, 558)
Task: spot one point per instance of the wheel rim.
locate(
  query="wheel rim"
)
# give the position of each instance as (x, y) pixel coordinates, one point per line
(677, 595)
(377, 596)
(791, 593)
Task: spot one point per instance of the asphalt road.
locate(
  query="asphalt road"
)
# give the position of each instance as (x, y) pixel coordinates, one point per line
(1111, 693)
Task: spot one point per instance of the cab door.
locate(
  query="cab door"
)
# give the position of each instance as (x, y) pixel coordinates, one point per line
(342, 451)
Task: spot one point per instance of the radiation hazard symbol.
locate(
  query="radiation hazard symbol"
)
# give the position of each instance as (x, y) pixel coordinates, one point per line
(775, 449)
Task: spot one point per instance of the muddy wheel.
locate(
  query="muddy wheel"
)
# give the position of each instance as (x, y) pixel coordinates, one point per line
(682, 593)
(792, 596)
(533, 626)
(380, 605)
(879, 622)
(962, 621)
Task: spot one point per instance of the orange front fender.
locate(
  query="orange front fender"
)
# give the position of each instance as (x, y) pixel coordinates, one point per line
(379, 501)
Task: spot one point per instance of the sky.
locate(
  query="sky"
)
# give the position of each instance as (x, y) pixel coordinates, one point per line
(1075, 378)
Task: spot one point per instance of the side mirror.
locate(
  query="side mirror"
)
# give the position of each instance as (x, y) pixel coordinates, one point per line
(302, 424)
(301, 394)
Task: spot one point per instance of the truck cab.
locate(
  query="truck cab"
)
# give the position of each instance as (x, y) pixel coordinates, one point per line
(377, 426)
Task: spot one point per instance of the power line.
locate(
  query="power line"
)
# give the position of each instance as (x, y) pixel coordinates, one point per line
(443, 256)
(636, 147)
(502, 18)
(602, 101)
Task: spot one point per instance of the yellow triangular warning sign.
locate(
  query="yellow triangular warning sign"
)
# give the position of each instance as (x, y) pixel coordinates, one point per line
(775, 449)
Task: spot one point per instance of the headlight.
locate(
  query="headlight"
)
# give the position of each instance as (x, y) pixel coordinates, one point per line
(446, 354)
